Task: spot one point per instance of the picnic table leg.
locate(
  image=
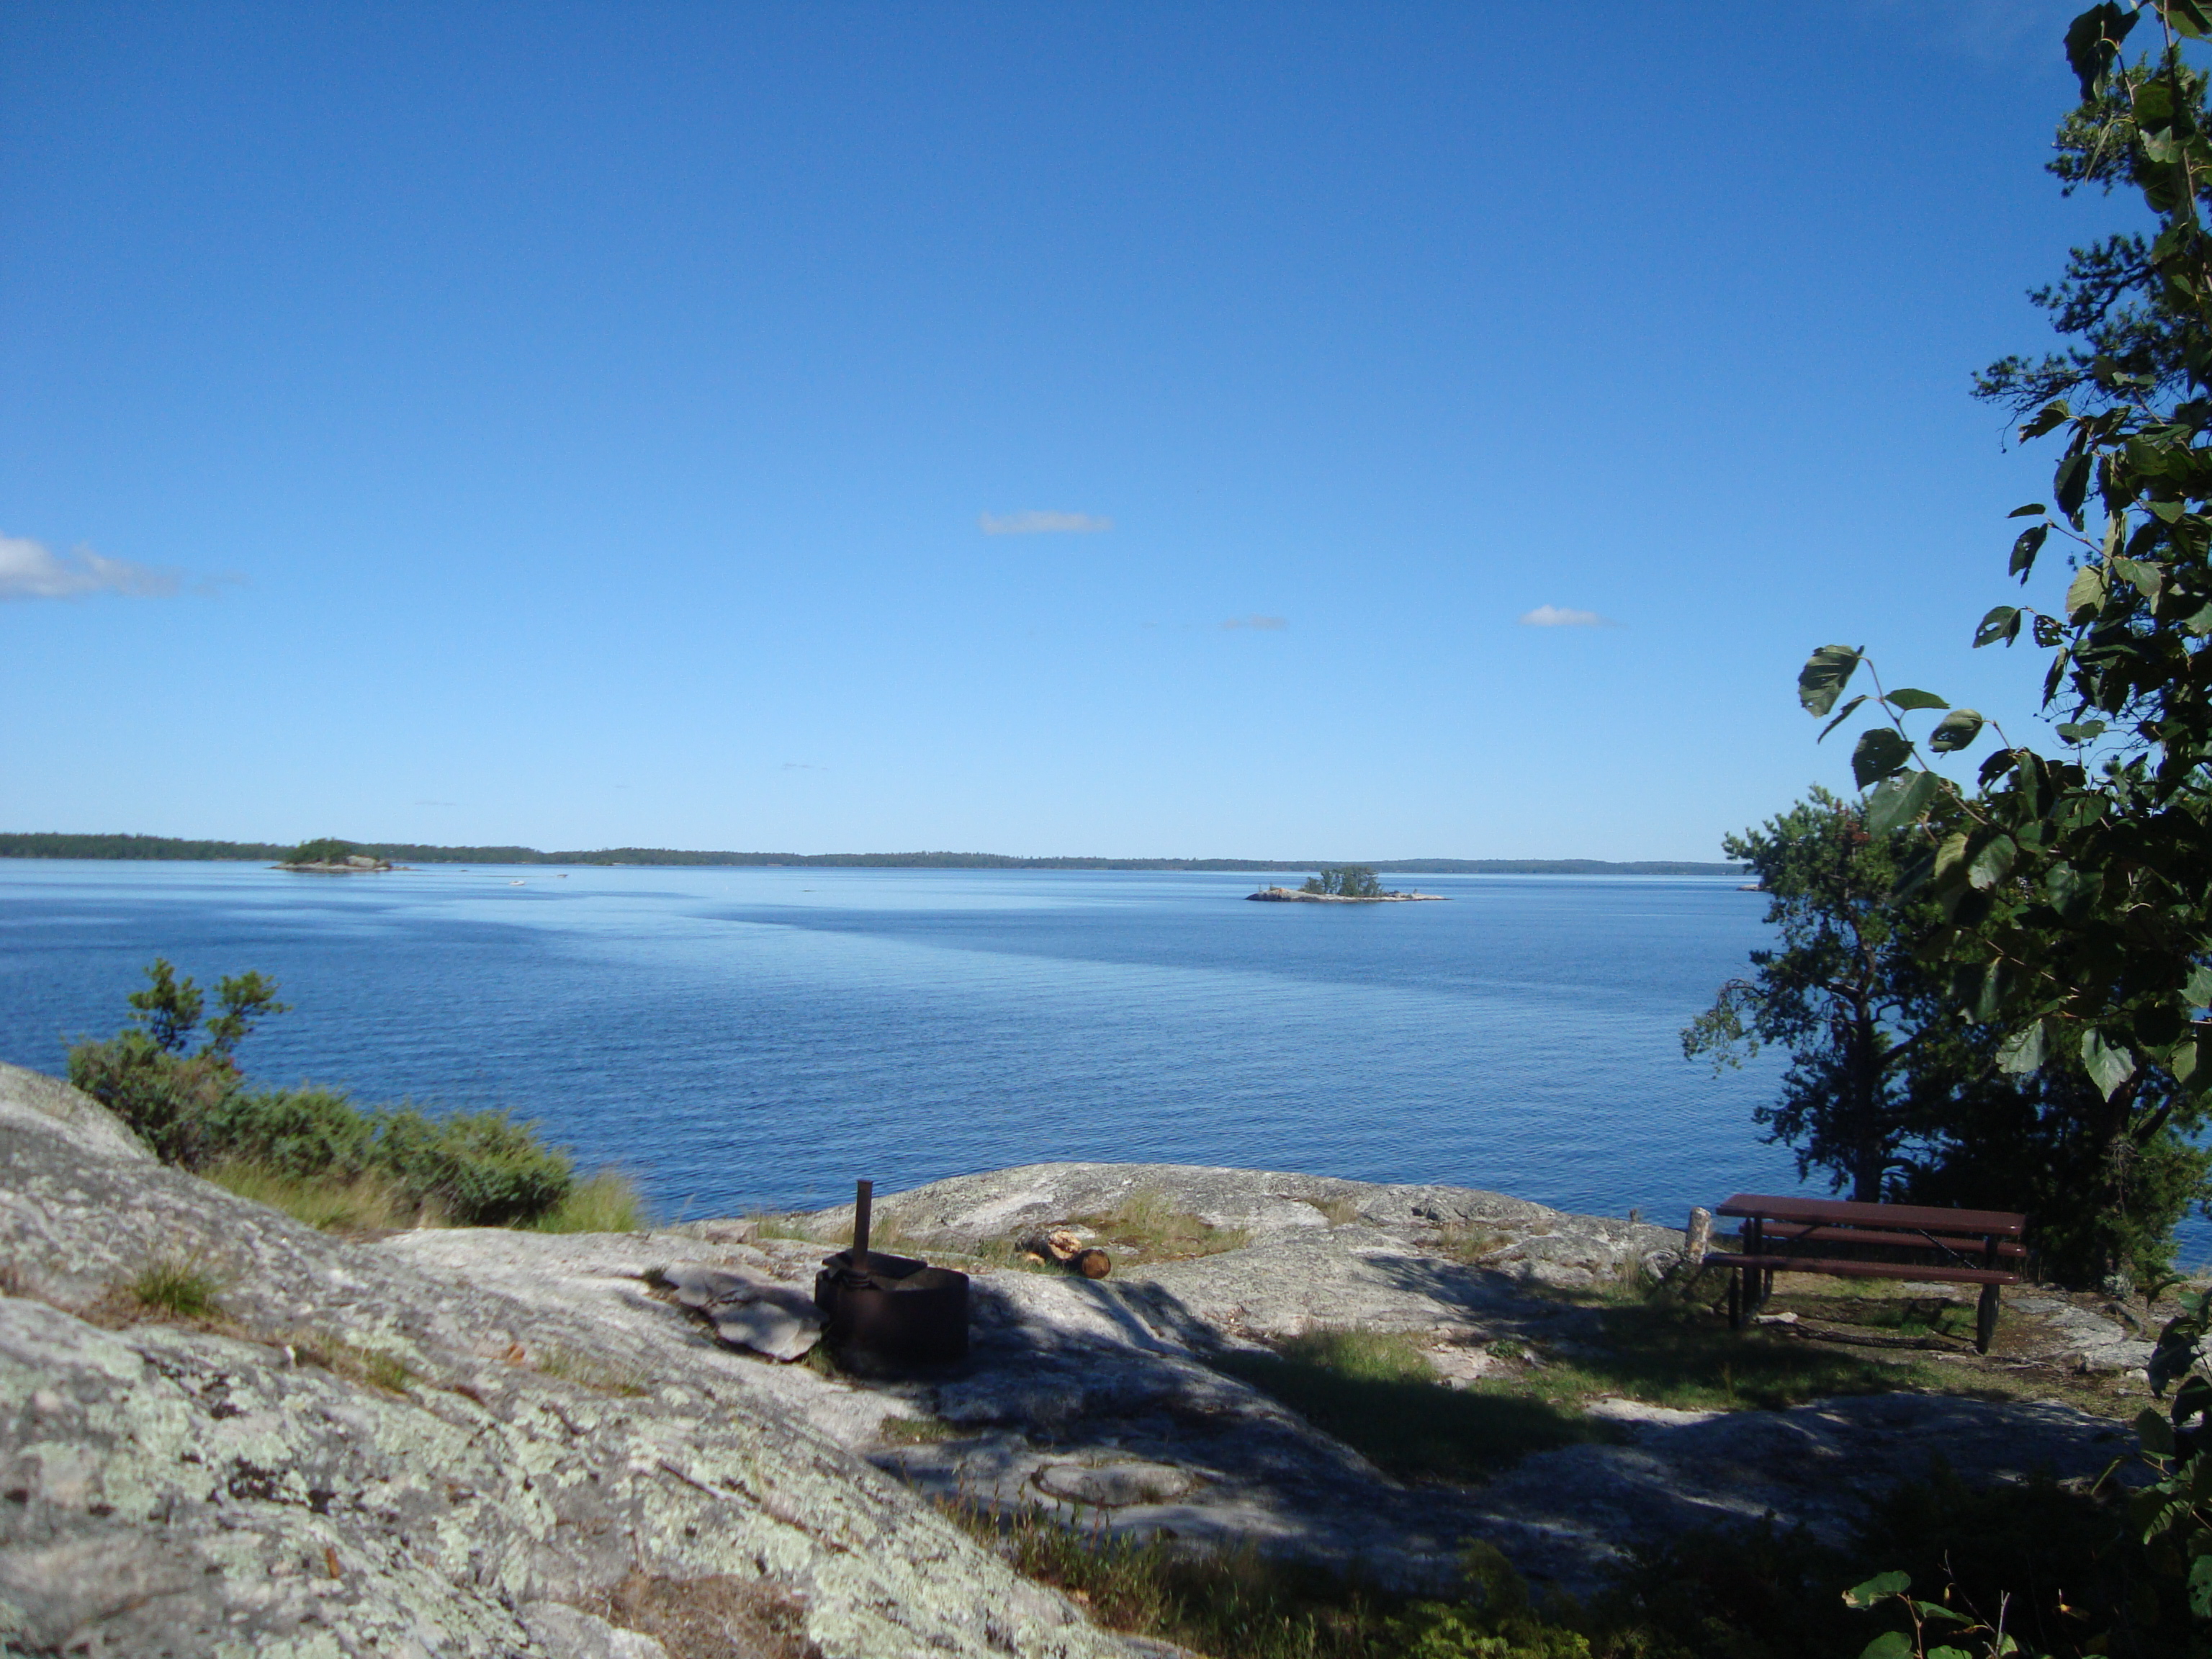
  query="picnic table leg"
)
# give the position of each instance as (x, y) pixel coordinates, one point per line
(1737, 1290)
(1985, 1318)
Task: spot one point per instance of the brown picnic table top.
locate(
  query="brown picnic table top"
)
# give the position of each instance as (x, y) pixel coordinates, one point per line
(1832, 1212)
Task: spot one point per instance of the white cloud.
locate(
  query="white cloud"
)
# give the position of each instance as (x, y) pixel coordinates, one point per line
(1042, 524)
(31, 570)
(1556, 616)
(1265, 624)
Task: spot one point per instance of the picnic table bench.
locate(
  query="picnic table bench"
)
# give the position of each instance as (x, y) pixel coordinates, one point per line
(1868, 1241)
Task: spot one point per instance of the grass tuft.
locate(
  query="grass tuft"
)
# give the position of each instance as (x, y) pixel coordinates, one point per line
(1470, 1242)
(1379, 1394)
(178, 1285)
(918, 1431)
(586, 1372)
(766, 1225)
(1669, 1356)
(368, 1201)
(1231, 1605)
(377, 1367)
(1153, 1230)
(607, 1203)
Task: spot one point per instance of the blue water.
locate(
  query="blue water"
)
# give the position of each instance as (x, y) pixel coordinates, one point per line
(757, 1038)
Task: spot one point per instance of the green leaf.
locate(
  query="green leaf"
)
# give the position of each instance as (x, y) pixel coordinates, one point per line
(1898, 800)
(1825, 675)
(1860, 1597)
(1842, 714)
(1946, 1651)
(2200, 1587)
(2199, 988)
(2021, 1052)
(1909, 699)
(1951, 858)
(2025, 550)
(1982, 986)
(2027, 512)
(1992, 864)
(2157, 1433)
(2147, 579)
(2049, 418)
(1890, 1644)
(2071, 484)
(2187, 18)
(1880, 752)
(2085, 594)
(2072, 891)
(2081, 731)
(2109, 1064)
(2002, 623)
(1955, 730)
(2181, 1060)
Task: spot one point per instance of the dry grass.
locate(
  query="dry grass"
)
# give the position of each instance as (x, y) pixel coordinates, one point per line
(368, 1202)
(1470, 1242)
(1338, 1211)
(373, 1366)
(1151, 1229)
(766, 1225)
(585, 1372)
(1006, 1252)
(608, 1203)
(1229, 1605)
(917, 1431)
(715, 1617)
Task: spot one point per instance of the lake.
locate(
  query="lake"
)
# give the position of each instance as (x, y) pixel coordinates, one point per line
(757, 1038)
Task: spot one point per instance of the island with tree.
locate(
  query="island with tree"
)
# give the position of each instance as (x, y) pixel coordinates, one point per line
(328, 856)
(1341, 884)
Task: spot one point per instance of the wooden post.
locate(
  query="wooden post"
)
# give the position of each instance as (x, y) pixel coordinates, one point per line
(1698, 1237)
(1986, 1313)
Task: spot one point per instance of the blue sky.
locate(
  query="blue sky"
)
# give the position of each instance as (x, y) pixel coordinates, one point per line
(1126, 428)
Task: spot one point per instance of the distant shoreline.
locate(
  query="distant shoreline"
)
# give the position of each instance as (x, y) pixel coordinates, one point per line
(171, 848)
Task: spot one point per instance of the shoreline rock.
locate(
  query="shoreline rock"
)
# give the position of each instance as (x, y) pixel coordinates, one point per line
(477, 1442)
(1293, 896)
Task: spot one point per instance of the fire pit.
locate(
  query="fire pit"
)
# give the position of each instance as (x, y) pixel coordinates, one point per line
(889, 1310)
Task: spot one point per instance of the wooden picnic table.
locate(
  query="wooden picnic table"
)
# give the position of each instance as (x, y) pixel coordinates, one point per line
(1869, 1241)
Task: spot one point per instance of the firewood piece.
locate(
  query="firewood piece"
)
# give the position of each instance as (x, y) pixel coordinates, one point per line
(1062, 1243)
(1093, 1263)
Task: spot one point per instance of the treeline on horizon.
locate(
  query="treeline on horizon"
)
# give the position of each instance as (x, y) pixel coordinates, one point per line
(172, 847)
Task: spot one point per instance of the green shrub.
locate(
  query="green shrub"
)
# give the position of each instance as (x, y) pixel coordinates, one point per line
(294, 1132)
(164, 1098)
(312, 1151)
(483, 1168)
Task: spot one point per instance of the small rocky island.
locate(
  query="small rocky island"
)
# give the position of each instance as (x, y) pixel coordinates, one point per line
(329, 857)
(1341, 884)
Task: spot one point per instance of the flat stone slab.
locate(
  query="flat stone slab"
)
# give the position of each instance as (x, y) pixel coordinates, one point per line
(1114, 1486)
(779, 1332)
